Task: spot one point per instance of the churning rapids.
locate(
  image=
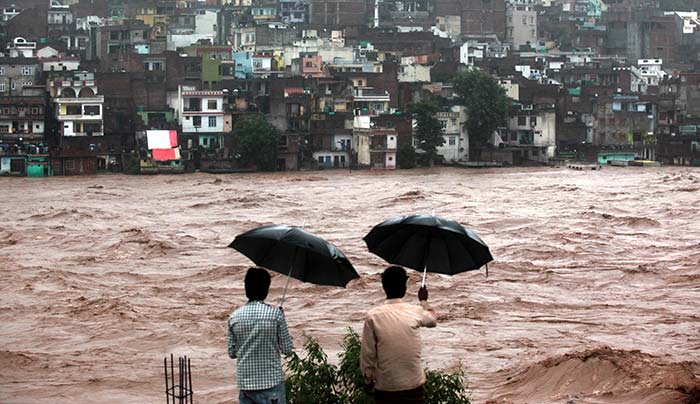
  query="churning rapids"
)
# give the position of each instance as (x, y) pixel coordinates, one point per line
(594, 296)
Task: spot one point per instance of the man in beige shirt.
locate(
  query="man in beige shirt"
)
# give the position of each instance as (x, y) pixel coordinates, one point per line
(390, 359)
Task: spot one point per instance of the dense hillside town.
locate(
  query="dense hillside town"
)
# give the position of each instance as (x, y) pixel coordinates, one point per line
(151, 86)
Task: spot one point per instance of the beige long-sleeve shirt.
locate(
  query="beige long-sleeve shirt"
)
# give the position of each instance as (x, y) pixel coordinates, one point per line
(391, 345)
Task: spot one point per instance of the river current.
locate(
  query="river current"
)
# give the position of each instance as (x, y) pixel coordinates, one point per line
(593, 297)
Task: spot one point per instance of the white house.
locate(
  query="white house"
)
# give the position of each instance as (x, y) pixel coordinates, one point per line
(201, 113)
(79, 107)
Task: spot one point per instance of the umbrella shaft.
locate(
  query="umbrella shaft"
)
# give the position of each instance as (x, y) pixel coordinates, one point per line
(286, 284)
(289, 275)
(425, 271)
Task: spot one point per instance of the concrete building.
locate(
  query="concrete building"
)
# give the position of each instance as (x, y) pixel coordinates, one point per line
(79, 107)
(332, 13)
(18, 73)
(22, 119)
(201, 116)
(521, 26)
(456, 146)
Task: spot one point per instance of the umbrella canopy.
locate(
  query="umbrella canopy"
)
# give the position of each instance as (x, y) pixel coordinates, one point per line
(428, 243)
(294, 252)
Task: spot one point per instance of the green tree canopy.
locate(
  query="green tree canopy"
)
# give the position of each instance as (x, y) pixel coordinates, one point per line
(406, 156)
(428, 130)
(256, 141)
(486, 102)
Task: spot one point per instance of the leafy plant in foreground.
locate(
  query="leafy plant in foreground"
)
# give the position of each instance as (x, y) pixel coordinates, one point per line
(312, 380)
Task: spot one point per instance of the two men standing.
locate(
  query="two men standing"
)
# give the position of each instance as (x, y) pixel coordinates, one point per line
(391, 348)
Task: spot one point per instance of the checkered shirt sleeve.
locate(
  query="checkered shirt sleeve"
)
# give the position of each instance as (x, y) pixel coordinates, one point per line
(257, 335)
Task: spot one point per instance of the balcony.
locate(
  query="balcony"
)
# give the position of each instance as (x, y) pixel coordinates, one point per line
(371, 94)
(83, 134)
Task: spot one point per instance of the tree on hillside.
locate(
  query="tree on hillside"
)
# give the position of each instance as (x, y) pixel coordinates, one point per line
(256, 141)
(428, 130)
(486, 102)
(406, 156)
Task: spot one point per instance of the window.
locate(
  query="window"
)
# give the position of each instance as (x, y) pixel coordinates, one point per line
(114, 35)
(522, 121)
(212, 122)
(35, 111)
(197, 121)
(195, 105)
(13, 86)
(92, 110)
(443, 124)
(27, 83)
(2, 87)
(452, 141)
(212, 55)
(27, 70)
(211, 104)
(2, 71)
(533, 121)
(73, 109)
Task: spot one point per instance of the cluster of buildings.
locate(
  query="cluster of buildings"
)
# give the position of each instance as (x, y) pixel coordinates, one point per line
(86, 85)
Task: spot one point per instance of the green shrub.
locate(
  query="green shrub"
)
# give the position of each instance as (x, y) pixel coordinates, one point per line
(312, 380)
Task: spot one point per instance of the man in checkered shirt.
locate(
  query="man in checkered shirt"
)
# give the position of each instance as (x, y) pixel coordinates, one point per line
(257, 334)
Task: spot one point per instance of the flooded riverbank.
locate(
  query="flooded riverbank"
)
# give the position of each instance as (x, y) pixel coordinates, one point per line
(593, 297)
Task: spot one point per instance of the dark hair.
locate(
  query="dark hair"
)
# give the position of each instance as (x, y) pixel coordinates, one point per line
(394, 282)
(257, 283)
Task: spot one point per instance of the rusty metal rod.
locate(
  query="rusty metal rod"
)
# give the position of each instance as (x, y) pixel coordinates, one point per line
(172, 374)
(189, 373)
(167, 392)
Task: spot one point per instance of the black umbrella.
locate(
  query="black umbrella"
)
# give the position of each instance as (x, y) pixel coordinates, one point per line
(428, 243)
(296, 253)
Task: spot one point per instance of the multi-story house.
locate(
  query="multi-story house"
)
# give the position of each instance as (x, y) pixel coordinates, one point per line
(293, 11)
(23, 146)
(369, 101)
(339, 12)
(60, 19)
(456, 146)
(626, 121)
(114, 40)
(307, 65)
(331, 125)
(18, 73)
(521, 26)
(22, 118)
(201, 116)
(78, 106)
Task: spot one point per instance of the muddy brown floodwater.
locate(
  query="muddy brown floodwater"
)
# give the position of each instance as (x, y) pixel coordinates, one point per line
(594, 296)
